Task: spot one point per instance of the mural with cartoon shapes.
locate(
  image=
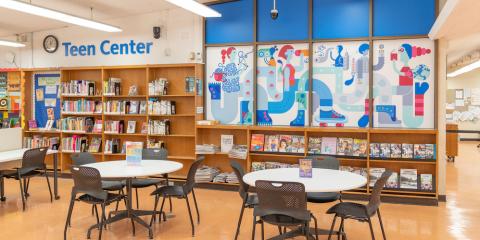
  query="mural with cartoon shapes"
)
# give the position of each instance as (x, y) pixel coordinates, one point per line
(230, 84)
(403, 89)
(340, 86)
(282, 84)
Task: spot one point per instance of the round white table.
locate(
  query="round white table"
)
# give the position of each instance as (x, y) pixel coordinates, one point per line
(322, 180)
(120, 170)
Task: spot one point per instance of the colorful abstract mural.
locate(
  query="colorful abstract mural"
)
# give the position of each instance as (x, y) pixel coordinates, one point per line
(403, 89)
(229, 72)
(340, 87)
(282, 84)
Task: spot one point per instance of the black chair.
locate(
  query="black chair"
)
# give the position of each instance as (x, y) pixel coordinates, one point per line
(249, 200)
(283, 204)
(180, 191)
(327, 163)
(88, 182)
(151, 154)
(360, 212)
(33, 164)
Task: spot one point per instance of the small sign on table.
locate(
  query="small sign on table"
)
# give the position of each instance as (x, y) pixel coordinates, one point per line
(305, 168)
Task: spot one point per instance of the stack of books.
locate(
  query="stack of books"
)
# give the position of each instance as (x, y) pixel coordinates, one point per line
(159, 127)
(78, 88)
(125, 107)
(256, 166)
(111, 87)
(238, 152)
(161, 107)
(158, 87)
(206, 149)
(206, 174)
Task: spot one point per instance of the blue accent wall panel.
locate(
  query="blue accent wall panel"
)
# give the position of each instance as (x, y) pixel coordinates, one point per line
(405, 17)
(340, 18)
(235, 25)
(291, 24)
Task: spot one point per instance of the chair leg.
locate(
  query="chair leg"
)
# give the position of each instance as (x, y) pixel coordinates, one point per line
(280, 230)
(170, 202)
(25, 187)
(161, 211)
(316, 226)
(340, 229)
(102, 221)
(136, 196)
(381, 225)
(154, 210)
(93, 209)
(196, 206)
(48, 183)
(371, 228)
(190, 214)
(307, 230)
(331, 228)
(21, 191)
(96, 213)
(239, 221)
(118, 202)
(253, 228)
(262, 226)
(69, 216)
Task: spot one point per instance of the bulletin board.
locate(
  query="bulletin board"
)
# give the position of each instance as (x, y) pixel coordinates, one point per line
(46, 97)
(463, 105)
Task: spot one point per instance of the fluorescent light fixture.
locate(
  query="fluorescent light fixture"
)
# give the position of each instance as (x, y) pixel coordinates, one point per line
(465, 69)
(196, 7)
(11, 44)
(56, 15)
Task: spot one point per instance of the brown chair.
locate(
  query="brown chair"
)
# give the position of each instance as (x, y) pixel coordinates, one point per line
(33, 164)
(249, 200)
(327, 197)
(283, 204)
(360, 212)
(88, 181)
(180, 191)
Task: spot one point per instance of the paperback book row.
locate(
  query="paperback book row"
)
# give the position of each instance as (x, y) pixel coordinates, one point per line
(234, 151)
(277, 143)
(77, 124)
(155, 143)
(32, 124)
(337, 146)
(159, 127)
(116, 146)
(118, 126)
(78, 88)
(161, 107)
(207, 174)
(38, 141)
(158, 87)
(111, 87)
(125, 107)
(81, 106)
(407, 179)
(403, 150)
(257, 166)
(77, 143)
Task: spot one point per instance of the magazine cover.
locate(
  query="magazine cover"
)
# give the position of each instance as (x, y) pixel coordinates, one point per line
(407, 150)
(429, 151)
(392, 181)
(271, 143)
(257, 141)
(345, 146)
(345, 168)
(226, 143)
(329, 145)
(419, 151)
(408, 179)
(360, 147)
(375, 174)
(133, 153)
(131, 126)
(305, 168)
(426, 182)
(374, 150)
(395, 150)
(257, 166)
(285, 143)
(384, 150)
(314, 145)
(298, 144)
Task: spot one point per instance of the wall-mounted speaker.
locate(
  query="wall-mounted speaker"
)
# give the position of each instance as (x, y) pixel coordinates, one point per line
(156, 32)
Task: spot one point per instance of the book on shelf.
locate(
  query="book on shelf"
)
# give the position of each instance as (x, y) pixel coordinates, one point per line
(155, 143)
(98, 127)
(384, 150)
(78, 88)
(73, 124)
(426, 182)
(419, 151)
(374, 150)
(161, 107)
(430, 151)
(112, 146)
(314, 145)
(257, 142)
(298, 144)
(395, 150)
(189, 84)
(75, 143)
(144, 129)
(408, 179)
(89, 124)
(285, 143)
(392, 181)
(206, 149)
(257, 166)
(271, 143)
(329, 145)
(95, 145)
(111, 87)
(407, 150)
(133, 152)
(81, 106)
(360, 147)
(207, 122)
(32, 124)
(49, 125)
(226, 143)
(305, 168)
(159, 127)
(238, 152)
(131, 126)
(158, 87)
(37, 141)
(345, 146)
(360, 171)
(375, 174)
(199, 86)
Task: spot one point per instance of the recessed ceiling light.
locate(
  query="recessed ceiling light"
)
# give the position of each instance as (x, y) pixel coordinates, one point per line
(11, 44)
(56, 15)
(196, 7)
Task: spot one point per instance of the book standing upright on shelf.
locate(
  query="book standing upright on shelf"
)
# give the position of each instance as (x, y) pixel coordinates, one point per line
(407, 150)
(131, 126)
(226, 143)
(374, 150)
(392, 181)
(257, 142)
(426, 182)
(298, 144)
(133, 153)
(384, 150)
(344, 146)
(408, 179)
(360, 147)
(375, 174)
(329, 145)
(271, 143)
(285, 143)
(314, 145)
(395, 150)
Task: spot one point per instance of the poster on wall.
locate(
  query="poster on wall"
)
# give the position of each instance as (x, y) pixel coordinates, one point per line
(282, 84)
(229, 74)
(340, 86)
(403, 89)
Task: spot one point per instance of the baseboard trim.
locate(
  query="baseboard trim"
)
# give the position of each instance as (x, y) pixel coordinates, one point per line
(442, 198)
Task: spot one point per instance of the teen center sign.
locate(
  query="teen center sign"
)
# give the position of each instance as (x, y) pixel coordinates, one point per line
(107, 48)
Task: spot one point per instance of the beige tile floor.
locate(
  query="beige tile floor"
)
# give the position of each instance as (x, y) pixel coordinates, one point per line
(456, 219)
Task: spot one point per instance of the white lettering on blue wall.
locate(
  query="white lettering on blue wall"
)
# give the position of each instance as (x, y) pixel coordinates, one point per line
(108, 48)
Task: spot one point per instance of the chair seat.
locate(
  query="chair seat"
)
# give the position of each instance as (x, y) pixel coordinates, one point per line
(169, 191)
(350, 210)
(145, 182)
(113, 185)
(323, 197)
(111, 197)
(14, 174)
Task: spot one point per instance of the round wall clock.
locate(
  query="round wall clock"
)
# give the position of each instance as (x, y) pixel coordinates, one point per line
(50, 44)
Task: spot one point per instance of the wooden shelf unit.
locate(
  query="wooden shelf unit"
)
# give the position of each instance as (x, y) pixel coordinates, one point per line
(181, 142)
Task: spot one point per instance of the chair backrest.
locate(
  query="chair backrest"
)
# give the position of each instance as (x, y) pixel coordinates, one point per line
(375, 200)
(88, 180)
(327, 163)
(82, 158)
(239, 172)
(189, 184)
(155, 153)
(285, 198)
(34, 159)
